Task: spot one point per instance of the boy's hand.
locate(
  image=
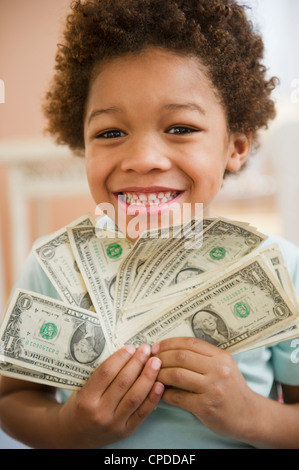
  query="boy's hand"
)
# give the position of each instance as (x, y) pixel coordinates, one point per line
(206, 381)
(119, 395)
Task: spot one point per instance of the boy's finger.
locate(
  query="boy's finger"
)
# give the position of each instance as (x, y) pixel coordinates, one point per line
(183, 379)
(147, 407)
(104, 375)
(139, 392)
(186, 359)
(122, 383)
(181, 398)
(189, 343)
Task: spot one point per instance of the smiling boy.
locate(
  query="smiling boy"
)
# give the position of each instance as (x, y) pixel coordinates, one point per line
(155, 128)
(163, 98)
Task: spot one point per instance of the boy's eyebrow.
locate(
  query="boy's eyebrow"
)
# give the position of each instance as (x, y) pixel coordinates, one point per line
(98, 112)
(187, 106)
(168, 107)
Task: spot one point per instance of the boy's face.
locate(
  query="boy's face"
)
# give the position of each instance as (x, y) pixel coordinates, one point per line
(156, 135)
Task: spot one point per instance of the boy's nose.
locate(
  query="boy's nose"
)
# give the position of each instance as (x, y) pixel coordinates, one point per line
(144, 158)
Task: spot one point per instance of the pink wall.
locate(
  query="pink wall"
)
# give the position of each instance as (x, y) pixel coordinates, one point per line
(29, 33)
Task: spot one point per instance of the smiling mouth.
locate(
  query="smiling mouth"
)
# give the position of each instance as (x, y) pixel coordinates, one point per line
(147, 199)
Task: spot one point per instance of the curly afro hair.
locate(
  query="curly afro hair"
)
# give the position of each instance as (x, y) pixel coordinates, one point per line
(218, 32)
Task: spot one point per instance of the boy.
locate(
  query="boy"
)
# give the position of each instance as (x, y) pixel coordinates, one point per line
(163, 97)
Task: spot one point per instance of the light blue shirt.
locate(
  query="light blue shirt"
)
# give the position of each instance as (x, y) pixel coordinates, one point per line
(170, 427)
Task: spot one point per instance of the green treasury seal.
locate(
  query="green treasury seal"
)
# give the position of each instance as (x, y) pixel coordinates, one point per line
(217, 253)
(48, 331)
(114, 250)
(241, 310)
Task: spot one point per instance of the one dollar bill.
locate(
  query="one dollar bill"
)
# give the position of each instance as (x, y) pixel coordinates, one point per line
(239, 308)
(48, 336)
(98, 259)
(55, 255)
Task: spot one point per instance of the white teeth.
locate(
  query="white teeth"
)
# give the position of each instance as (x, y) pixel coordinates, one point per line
(149, 199)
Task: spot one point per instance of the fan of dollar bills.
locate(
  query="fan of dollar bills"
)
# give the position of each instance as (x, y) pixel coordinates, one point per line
(208, 279)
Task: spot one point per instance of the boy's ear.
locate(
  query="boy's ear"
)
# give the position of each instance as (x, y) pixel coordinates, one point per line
(239, 149)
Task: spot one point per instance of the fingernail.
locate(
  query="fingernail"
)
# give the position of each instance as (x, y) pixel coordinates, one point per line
(156, 363)
(146, 349)
(155, 348)
(130, 349)
(159, 388)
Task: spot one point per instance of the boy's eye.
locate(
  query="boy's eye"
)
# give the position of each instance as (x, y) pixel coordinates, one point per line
(181, 130)
(110, 134)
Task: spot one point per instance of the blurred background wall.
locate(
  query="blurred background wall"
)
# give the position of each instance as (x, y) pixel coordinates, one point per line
(43, 187)
(268, 192)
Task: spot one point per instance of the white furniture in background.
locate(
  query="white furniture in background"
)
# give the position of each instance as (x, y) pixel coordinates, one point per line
(281, 147)
(285, 153)
(37, 170)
